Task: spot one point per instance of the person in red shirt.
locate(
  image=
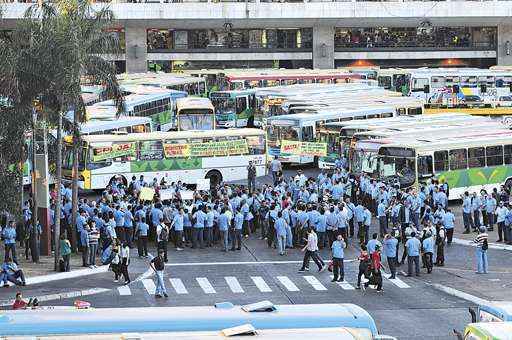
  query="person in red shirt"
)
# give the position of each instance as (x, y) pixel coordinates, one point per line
(376, 267)
(19, 303)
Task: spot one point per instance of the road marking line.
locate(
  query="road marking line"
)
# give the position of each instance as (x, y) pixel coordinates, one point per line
(397, 282)
(491, 244)
(261, 284)
(181, 264)
(124, 290)
(66, 275)
(178, 286)
(317, 285)
(206, 286)
(150, 286)
(233, 284)
(344, 284)
(62, 296)
(460, 294)
(288, 284)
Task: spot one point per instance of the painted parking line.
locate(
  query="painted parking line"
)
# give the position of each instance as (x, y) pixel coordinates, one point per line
(288, 284)
(261, 284)
(233, 284)
(317, 285)
(206, 286)
(150, 286)
(178, 286)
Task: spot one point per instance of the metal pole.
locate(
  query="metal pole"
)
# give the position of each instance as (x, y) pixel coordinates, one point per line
(58, 203)
(33, 227)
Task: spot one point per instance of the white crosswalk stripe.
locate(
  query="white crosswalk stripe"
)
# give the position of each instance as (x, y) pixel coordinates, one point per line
(397, 282)
(317, 285)
(344, 284)
(288, 284)
(206, 286)
(178, 286)
(150, 286)
(261, 284)
(124, 290)
(233, 284)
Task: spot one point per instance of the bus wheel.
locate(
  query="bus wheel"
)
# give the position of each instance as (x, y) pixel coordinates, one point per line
(215, 178)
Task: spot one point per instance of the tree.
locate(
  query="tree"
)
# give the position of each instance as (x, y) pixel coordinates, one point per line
(53, 50)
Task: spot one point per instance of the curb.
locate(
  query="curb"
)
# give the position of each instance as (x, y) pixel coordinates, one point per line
(491, 245)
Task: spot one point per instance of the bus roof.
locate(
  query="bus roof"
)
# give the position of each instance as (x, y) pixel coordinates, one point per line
(101, 125)
(134, 99)
(145, 89)
(134, 137)
(330, 113)
(193, 103)
(233, 92)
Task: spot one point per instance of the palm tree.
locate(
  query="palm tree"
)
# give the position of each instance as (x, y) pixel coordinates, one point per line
(64, 41)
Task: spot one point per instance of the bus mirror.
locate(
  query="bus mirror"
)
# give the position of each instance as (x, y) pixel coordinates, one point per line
(426, 89)
(472, 311)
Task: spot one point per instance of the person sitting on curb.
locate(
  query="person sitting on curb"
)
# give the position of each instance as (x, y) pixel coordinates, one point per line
(19, 303)
(11, 272)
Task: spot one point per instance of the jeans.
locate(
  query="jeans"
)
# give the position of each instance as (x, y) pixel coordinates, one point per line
(281, 243)
(208, 236)
(274, 177)
(289, 237)
(413, 260)
(93, 248)
(160, 283)
(481, 260)
(66, 262)
(476, 219)
(85, 255)
(321, 239)
(468, 221)
(236, 238)
(251, 184)
(197, 236)
(224, 234)
(338, 269)
(178, 238)
(11, 248)
(162, 245)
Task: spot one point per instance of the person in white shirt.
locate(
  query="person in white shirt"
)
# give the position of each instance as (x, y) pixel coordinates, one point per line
(125, 261)
(311, 251)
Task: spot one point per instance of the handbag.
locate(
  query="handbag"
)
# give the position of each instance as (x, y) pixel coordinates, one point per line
(330, 266)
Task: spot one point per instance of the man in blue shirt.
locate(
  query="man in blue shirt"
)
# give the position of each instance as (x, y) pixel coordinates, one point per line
(449, 224)
(373, 243)
(428, 251)
(197, 231)
(177, 224)
(236, 231)
(383, 219)
(466, 213)
(280, 227)
(84, 241)
(338, 268)
(390, 250)
(9, 236)
(223, 224)
(128, 226)
(412, 247)
(142, 234)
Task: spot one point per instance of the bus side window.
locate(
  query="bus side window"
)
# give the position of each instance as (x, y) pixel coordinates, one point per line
(425, 166)
(458, 159)
(241, 105)
(440, 161)
(494, 155)
(476, 157)
(507, 153)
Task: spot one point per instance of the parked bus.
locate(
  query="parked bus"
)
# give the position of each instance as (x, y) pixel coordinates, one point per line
(466, 164)
(195, 114)
(61, 321)
(193, 86)
(122, 125)
(234, 108)
(303, 127)
(219, 155)
(157, 106)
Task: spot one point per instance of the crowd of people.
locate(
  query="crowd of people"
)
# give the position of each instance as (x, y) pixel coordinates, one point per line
(332, 211)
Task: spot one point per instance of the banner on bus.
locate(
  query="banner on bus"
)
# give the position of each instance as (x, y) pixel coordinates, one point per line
(225, 148)
(113, 151)
(303, 148)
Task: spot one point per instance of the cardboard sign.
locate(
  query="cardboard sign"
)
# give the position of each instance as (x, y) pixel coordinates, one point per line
(147, 194)
(225, 148)
(166, 194)
(114, 151)
(203, 184)
(187, 195)
(303, 148)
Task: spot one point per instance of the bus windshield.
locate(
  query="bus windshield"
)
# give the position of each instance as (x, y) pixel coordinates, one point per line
(67, 158)
(397, 165)
(196, 119)
(279, 133)
(224, 106)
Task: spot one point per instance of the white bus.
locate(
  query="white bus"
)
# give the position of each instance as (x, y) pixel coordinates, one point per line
(466, 164)
(218, 155)
(194, 113)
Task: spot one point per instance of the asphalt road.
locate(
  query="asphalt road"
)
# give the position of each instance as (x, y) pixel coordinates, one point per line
(409, 308)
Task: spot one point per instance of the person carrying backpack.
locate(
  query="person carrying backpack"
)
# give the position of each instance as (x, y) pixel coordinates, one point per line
(162, 237)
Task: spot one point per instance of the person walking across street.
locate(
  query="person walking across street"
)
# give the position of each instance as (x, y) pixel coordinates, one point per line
(311, 251)
(162, 236)
(391, 252)
(482, 245)
(412, 247)
(338, 268)
(125, 262)
(251, 177)
(158, 265)
(364, 265)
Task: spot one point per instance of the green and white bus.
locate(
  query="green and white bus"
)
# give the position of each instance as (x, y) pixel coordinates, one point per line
(218, 155)
(193, 113)
(303, 127)
(466, 164)
(235, 108)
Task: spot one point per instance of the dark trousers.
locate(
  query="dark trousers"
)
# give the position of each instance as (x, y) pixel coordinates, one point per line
(19, 275)
(413, 260)
(490, 220)
(236, 239)
(383, 225)
(11, 249)
(501, 226)
(338, 269)
(392, 262)
(321, 239)
(85, 256)
(178, 238)
(376, 278)
(312, 255)
(476, 219)
(142, 246)
(351, 227)
(363, 234)
(251, 184)
(66, 262)
(93, 248)
(449, 235)
(197, 237)
(162, 245)
(246, 228)
(188, 234)
(208, 236)
(124, 271)
(428, 261)
(440, 254)
(120, 233)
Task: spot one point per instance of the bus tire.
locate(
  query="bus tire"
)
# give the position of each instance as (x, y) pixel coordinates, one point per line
(215, 177)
